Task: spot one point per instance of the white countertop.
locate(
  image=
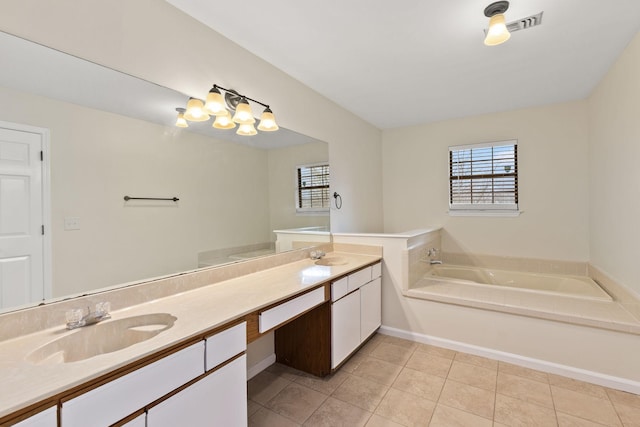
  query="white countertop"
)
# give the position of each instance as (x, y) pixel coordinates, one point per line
(199, 310)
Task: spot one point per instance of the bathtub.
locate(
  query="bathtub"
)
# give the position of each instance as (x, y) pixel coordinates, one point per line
(550, 284)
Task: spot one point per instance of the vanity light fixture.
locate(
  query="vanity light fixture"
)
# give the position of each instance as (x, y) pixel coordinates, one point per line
(498, 32)
(218, 105)
(181, 122)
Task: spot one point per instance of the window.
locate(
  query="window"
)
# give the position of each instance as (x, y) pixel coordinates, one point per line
(312, 193)
(484, 177)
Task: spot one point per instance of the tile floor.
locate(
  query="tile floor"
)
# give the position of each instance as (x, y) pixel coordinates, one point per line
(394, 382)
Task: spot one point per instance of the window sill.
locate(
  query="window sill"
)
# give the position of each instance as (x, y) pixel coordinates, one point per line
(494, 213)
(323, 212)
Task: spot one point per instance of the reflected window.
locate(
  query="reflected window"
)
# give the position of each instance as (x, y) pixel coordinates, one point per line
(312, 195)
(484, 177)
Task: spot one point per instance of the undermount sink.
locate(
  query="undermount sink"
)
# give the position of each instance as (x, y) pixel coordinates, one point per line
(101, 338)
(334, 260)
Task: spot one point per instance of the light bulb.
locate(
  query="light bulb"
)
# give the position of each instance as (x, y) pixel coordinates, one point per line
(181, 122)
(243, 115)
(224, 122)
(268, 121)
(215, 103)
(246, 129)
(195, 111)
(497, 32)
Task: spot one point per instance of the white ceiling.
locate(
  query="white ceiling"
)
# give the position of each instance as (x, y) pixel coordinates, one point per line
(407, 62)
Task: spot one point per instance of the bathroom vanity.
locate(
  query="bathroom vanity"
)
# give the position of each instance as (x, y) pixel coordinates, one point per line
(194, 371)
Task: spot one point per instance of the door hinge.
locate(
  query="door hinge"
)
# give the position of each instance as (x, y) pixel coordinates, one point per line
(42, 156)
(43, 230)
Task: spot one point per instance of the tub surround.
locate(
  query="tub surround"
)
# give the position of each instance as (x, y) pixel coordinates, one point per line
(231, 293)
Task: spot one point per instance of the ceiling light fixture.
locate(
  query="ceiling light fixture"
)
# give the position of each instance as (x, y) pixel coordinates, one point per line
(497, 33)
(217, 105)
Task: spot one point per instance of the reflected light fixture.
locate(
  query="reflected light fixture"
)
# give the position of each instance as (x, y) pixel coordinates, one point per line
(218, 105)
(497, 32)
(181, 122)
(195, 111)
(246, 129)
(224, 121)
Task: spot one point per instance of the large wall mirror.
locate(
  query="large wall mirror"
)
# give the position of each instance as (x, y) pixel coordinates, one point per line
(113, 135)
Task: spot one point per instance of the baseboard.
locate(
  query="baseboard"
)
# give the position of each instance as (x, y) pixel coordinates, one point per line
(515, 359)
(261, 366)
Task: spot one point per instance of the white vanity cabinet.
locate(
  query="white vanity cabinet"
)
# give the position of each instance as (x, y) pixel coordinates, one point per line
(117, 399)
(356, 311)
(218, 399)
(202, 384)
(46, 418)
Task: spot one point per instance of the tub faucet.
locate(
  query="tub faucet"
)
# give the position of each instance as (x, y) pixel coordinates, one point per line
(435, 261)
(78, 317)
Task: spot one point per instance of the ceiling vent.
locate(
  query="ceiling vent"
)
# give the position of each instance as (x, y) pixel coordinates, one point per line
(525, 23)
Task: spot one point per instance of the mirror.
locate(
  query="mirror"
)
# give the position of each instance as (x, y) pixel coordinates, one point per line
(113, 135)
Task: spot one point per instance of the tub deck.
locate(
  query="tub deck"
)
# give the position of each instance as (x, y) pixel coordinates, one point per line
(589, 309)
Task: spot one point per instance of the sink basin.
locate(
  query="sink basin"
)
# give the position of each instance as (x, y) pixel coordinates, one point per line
(334, 260)
(106, 337)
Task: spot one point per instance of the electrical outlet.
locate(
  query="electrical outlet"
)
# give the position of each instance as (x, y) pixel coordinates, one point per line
(71, 223)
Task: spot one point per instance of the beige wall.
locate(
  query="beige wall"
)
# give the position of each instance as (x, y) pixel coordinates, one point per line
(614, 173)
(97, 157)
(283, 163)
(152, 40)
(553, 175)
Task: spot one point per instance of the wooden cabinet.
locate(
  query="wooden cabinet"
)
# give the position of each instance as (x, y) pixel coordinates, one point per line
(46, 418)
(218, 399)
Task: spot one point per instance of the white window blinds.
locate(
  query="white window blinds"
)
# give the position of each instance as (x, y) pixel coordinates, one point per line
(313, 188)
(484, 176)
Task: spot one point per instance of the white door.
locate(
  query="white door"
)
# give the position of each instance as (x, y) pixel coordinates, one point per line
(22, 277)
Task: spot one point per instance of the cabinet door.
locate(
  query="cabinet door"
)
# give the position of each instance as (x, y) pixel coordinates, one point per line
(46, 418)
(219, 399)
(370, 308)
(121, 397)
(345, 327)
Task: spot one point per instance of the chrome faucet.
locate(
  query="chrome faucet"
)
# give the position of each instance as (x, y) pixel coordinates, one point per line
(435, 261)
(317, 254)
(78, 317)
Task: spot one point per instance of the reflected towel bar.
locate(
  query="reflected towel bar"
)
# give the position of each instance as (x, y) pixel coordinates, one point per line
(127, 198)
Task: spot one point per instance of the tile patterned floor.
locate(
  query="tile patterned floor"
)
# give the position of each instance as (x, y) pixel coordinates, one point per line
(394, 382)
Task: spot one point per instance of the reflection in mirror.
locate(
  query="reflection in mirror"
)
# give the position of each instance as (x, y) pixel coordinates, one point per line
(112, 135)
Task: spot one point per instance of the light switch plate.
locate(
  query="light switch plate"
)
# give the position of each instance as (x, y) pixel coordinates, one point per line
(71, 223)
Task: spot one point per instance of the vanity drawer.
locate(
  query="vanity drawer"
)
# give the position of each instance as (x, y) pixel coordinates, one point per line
(359, 278)
(339, 288)
(46, 418)
(273, 317)
(226, 344)
(376, 270)
(117, 399)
